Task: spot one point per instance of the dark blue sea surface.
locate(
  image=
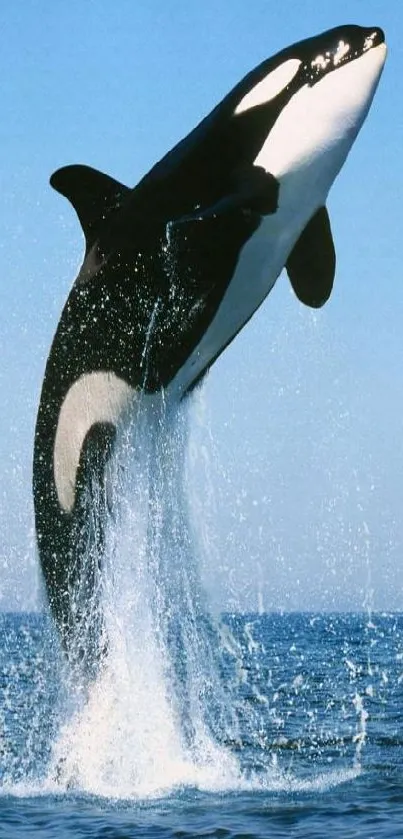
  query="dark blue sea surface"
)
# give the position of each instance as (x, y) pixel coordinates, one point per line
(311, 746)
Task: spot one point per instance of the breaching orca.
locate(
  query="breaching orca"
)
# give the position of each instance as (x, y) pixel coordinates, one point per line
(175, 267)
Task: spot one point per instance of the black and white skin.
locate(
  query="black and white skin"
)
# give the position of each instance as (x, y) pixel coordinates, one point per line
(175, 267)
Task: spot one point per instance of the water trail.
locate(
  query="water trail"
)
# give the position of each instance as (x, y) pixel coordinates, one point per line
(162, 713)
(157, 713)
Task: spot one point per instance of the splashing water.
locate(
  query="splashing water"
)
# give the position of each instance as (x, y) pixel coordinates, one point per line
(157, 712)
(178, 700)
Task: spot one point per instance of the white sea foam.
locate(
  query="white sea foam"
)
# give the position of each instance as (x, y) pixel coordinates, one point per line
(155, 715)
(159, 715)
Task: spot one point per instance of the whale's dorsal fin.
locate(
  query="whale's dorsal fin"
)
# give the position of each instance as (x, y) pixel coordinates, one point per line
(311, 264)
(93, 195)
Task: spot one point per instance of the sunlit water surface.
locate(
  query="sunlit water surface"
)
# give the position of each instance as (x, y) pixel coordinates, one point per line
(196, 724)
(318, 748)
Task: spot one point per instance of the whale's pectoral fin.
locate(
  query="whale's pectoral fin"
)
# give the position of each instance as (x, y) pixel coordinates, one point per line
(312, 262)
(252, 190)
(93, 195)
(255, 190)
(207, 243)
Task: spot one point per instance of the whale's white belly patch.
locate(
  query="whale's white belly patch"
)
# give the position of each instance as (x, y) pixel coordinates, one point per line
(260, 263)
(99, 397)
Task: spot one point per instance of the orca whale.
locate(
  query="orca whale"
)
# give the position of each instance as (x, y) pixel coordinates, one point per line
(175, 267)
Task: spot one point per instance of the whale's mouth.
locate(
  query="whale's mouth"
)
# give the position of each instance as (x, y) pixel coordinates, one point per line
(346, 47)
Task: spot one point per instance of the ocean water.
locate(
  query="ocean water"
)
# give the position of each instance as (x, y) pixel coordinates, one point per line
(311, 745)
(195, 724)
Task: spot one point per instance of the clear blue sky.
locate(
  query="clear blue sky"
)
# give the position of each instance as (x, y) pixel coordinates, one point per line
(305, 410)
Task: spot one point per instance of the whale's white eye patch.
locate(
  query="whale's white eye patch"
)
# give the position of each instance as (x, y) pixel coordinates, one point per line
(270, 86)
(94, 398)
